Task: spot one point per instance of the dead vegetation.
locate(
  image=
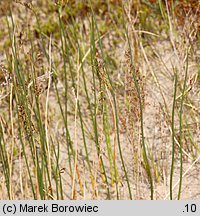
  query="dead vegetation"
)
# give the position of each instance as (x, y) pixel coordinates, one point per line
(99, 100)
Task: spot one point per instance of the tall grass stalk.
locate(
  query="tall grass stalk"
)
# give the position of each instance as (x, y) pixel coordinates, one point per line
(173, 136)
(4, 161)
(94, 115)
(181, 126)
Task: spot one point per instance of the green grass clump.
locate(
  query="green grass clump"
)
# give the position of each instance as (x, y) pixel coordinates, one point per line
(97, 99)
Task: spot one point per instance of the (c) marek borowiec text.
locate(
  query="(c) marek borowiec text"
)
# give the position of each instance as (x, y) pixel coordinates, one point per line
(57, 208)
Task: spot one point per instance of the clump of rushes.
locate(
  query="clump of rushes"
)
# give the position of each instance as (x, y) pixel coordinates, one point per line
(89, 105)
(135, 98)
(132, 113)
(112, 91)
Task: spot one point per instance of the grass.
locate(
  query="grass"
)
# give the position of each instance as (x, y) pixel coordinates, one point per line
(98, 98)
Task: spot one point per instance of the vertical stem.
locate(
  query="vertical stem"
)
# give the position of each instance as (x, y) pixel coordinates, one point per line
(173, 137)
(180, 128)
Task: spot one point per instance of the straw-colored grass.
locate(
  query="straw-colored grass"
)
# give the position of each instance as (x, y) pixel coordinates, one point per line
(99, 99)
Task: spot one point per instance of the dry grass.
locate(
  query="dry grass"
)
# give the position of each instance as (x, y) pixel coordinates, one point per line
(94, 94)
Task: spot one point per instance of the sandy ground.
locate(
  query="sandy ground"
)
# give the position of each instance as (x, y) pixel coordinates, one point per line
(157, 137)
